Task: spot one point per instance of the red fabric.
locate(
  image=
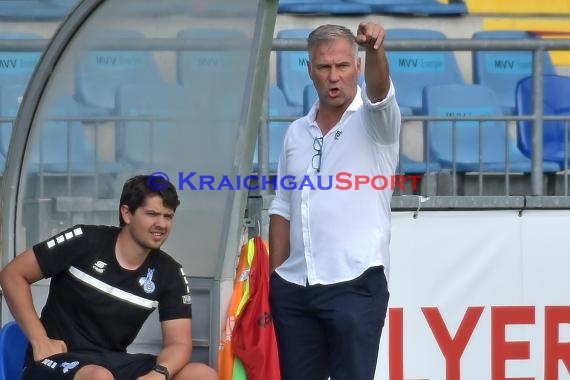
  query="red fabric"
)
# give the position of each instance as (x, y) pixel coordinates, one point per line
(253, 336)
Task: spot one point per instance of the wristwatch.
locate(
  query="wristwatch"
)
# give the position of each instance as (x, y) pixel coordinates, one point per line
(162, 370)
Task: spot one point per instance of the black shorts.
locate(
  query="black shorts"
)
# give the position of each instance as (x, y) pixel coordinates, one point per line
(123, 366)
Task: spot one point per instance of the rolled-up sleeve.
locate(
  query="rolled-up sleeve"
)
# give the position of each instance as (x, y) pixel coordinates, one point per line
(383, 117)
(281, 204)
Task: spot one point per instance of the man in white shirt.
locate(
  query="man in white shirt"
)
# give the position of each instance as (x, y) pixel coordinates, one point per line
(329, 236)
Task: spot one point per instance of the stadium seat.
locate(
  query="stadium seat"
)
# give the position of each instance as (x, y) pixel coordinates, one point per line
(411, 71)
(292, 66)
(16, 67)
(209, 8)
(207, 74)
(62, 146)
(309, 98)
(463, 146)
(100, 72)
(10, 99)
(323, 7)
(13, 344)
(556, 102)
(199, 64)
(277, 107)
(501, 70)
(195, 8)
(148, 128)
(22, 10)
(415, 7)
(134, 8)
(407, 165)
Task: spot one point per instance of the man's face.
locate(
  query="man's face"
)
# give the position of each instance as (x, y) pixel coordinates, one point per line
(150, 224)
(334, 70)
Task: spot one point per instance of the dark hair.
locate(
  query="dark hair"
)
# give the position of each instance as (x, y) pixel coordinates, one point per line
(140, 187)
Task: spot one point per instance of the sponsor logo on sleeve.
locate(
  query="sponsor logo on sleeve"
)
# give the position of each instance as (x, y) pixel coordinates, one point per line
(64, 237)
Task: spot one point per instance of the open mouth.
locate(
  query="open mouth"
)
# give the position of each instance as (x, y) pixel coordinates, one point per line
(334, 92)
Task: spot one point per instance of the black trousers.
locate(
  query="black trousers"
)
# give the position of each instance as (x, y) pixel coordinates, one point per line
(123, 366)
(329, 330)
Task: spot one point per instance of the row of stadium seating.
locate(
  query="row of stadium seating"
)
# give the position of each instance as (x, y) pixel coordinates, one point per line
(470, 146)
(107, 84)
(146, 129)
(111, 84)
(20, 10)
(55, 9)
(411, 71)
(359, 7)
(431, 83)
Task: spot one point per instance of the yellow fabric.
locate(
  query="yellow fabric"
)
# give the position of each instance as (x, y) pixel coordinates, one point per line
(250, 254)
(230, 367)
(226, 358)
(553, 7)
(537, 24)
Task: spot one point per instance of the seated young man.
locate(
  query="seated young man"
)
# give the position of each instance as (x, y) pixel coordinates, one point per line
(105, 282)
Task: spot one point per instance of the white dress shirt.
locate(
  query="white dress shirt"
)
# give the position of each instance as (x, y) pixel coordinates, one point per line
(337, 233)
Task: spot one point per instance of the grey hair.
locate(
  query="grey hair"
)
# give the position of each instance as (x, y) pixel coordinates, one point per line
(328, 32)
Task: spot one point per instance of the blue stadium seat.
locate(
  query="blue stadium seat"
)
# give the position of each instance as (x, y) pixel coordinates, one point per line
(13, 344)
(310, 96)
(198, 65)
(16, 68)
(501, 70)
(206, 74)
(209, 8)
(152, 8)
(471, 100)
(323, 7)
(556, 102)
(100, 72)
(292, 66)
(10, 99)
(277, 107)
(407, 165)
(63, 146)
(22, 10)
(415, 7)
(151, 115)
(411, 71)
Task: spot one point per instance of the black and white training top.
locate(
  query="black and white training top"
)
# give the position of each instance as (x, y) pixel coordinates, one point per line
(93, 303)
